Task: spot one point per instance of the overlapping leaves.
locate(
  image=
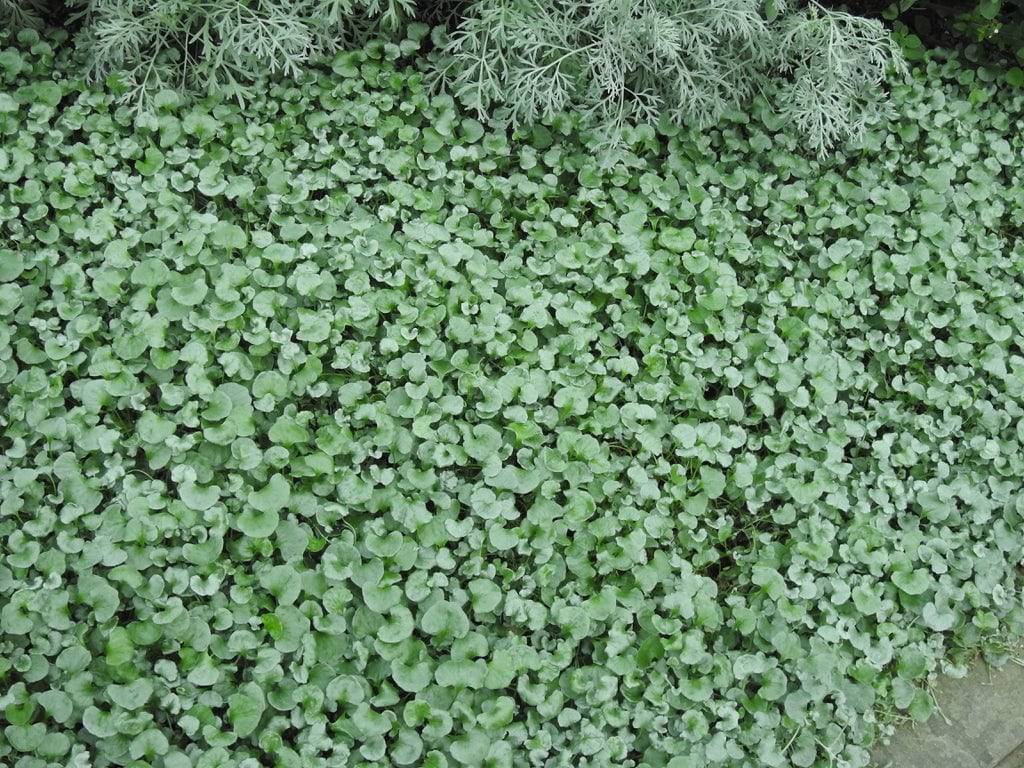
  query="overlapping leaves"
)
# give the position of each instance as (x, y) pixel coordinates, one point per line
(341, 431)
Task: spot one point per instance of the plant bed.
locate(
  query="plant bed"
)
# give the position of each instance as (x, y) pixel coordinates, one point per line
(342, 430)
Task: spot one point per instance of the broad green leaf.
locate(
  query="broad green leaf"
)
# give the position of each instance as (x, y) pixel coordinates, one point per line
(245, 709)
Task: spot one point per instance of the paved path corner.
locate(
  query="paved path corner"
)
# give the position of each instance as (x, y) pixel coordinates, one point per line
(981, 725)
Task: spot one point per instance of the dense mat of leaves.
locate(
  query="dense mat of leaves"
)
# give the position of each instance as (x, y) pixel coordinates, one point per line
(343, 432)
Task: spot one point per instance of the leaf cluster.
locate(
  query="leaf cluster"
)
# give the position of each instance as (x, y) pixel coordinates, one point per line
(984, 30)
(613, 62)
(219, 45)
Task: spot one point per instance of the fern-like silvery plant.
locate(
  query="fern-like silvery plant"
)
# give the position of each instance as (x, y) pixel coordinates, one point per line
(833, 66)
(22, 14)
(621, 61)
(219, 45)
